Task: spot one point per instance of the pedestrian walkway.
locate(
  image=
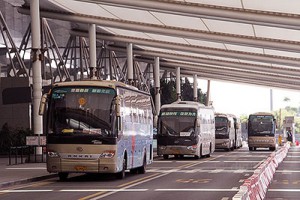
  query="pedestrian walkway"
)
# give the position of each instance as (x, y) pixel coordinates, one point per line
(286, 181)
(22, 173)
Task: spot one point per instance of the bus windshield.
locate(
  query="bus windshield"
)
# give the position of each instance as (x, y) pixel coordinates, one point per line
(221, 124)
(81, 110)
(178, 123)
(261, 125)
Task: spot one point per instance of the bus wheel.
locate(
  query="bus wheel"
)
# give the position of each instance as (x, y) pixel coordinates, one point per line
(133, 171)
(63, 176)
(142, 169)
(272, 148)
(166, 156)
(121, 174)
(208, 155)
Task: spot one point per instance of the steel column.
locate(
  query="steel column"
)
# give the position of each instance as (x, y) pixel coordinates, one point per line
(36, 68)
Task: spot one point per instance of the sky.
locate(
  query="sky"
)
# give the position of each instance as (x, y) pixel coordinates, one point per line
(244, 99)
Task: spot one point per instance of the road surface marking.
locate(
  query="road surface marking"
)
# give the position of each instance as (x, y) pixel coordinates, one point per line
(284, 190)
(197, 190)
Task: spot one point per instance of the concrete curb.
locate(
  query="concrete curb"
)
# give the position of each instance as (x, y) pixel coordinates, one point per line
(27, 180)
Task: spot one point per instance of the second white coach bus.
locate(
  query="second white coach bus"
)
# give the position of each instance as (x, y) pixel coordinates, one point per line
(186, 128)
(225, 131)
(98, 127)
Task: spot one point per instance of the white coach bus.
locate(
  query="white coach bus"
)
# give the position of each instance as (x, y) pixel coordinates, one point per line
(186, 128)
(225, 131)
(98, 127)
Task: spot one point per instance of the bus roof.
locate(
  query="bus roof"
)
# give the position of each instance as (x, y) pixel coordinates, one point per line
(186, 104)
(222, 115)
(103, 83)
(262, 113)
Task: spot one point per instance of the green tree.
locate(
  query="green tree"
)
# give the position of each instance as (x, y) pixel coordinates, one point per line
(169, 95)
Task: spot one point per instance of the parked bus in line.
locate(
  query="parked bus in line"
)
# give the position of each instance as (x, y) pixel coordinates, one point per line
(186, 128)
(261, 131)
(238, 132)
(225, 131)
(98, 127)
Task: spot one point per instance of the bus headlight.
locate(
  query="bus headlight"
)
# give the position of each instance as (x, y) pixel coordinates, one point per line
(107, 154)
(162, 147)
(53, 154)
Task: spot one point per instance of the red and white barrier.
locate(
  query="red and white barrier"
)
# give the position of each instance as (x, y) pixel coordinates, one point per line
(255, 187)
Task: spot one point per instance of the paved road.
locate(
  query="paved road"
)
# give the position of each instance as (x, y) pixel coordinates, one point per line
(217, 177)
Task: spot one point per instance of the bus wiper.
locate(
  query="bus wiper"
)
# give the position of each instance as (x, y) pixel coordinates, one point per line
(170, 131)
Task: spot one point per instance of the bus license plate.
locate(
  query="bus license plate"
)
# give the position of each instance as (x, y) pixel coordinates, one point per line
(80, 168)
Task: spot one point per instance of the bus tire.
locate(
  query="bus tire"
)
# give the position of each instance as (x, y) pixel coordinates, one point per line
(208, 155)
(142, 169)
(121, 174)
(200, 153)
(166, 156)
(232, 147)
(134, 171)
(272, 148)
(63, 176)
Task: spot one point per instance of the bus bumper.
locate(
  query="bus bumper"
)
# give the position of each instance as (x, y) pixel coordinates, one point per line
(176, 150)
(55, 165)
(261, 142)
(222, 144)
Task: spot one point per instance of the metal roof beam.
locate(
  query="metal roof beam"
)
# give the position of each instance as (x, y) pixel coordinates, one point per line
(270, 77)
(193, 59)
(199, 49)
(240, 68)
(174, 31)
(223, 77)
(265, 18)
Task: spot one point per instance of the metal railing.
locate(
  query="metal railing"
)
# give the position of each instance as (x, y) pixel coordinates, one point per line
(19, 153)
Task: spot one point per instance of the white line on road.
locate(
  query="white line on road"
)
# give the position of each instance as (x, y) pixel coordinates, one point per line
(16, 191)
(287, 161)
(287, 171)
(284, 190)
(197, 190)
(104, 190)
(22, 168)
(241, 161)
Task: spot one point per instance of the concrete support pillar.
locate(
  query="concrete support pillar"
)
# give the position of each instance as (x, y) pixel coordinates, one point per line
(195, 88)
(208, 93)
(129, 63)
(93, 54)
(36, 68)
(271, 100)
(178, 88)
(157, 84)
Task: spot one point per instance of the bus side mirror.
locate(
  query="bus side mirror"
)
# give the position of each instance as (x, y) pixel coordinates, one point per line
(43, 102)
(198, 122)
(155, 121)
(118, 113)
(118, 106)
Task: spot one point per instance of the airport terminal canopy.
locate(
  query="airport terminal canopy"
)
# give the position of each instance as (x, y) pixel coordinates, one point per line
(247, 41)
